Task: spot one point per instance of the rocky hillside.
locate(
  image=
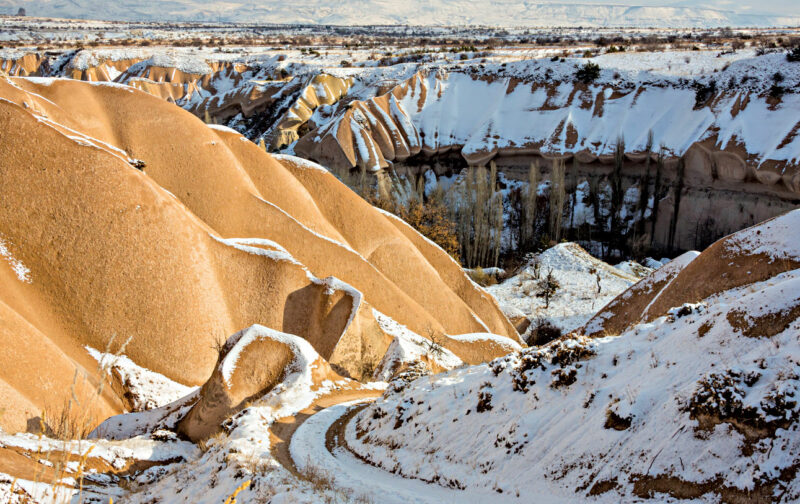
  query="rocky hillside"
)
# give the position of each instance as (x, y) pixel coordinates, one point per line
(671, 393)
(581, 286)
(702, 111)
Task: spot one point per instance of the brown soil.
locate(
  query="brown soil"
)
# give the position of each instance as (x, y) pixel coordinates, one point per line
(765, 326)
(646, 486)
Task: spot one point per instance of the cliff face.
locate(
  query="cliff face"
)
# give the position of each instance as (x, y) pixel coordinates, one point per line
(739, 147)
(483, 118)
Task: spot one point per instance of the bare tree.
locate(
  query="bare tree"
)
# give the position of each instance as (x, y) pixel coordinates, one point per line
(548, 287)
(616, 190)
(557, 197)
(644, 185)
(529, 212)
(656, 193)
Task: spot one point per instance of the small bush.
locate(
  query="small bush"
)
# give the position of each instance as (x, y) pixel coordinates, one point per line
(543, 332)
(616, 422)
(548, 287)
(484, 401)
(65, 423)
(794, 55)
(138, 164)
(776, 91)
(588, 73)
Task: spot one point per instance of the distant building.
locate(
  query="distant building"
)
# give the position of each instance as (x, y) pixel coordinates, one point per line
(21, 11)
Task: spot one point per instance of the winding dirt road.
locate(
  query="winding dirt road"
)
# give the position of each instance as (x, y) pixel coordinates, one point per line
(314, 442)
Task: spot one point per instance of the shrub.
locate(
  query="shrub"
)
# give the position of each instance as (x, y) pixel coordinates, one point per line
(588, 73)
(547, 287)
(480, 277)
(543, 332)
(776, 91)
(794, 55)
(138, 164)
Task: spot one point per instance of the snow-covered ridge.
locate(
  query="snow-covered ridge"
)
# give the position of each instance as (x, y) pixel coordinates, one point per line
(536, 106)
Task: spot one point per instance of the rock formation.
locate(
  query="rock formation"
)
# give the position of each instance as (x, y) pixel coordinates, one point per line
(124, 215)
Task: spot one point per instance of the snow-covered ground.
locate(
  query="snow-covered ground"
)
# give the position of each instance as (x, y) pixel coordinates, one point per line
(690, 398)
(586, 284)
(145, 389)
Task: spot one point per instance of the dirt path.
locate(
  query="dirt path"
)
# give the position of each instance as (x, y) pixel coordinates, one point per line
(320, 449)
(282, 430)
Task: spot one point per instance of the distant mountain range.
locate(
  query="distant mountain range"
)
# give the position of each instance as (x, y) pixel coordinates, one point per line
(392, 12)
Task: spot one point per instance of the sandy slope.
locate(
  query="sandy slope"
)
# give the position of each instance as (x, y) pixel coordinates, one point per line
(211, 236)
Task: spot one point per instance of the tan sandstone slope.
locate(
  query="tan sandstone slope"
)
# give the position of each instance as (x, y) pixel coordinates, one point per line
(209, 236)
(753, 255)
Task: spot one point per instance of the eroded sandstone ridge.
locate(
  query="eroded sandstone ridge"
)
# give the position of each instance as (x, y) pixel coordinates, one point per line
(126, 216)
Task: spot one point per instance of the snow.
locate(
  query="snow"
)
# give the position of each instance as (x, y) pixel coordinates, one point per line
(254, 246)
(243, 451)
(146, 389)
(408, 347)
(667, 273)
(334, 284)
(298, 161)
(309, 452)
(550, 419)
(517, 98)
(777, 238)
(576, 300)
(491, 271)
(186, 62)
(503, 341)
(22, 272)
(635, 269)
(225, 129)
(304, 353)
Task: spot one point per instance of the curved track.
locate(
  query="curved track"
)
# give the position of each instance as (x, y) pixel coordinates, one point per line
(318, 447)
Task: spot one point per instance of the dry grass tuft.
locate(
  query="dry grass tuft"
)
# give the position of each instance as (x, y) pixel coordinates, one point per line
(480, 277)
(232, 497)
